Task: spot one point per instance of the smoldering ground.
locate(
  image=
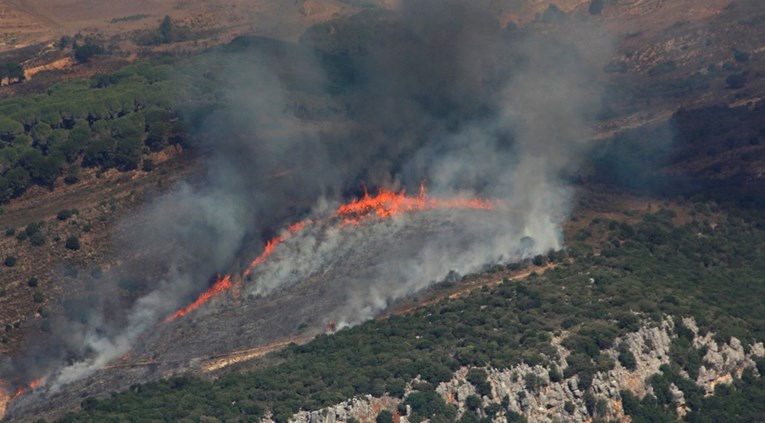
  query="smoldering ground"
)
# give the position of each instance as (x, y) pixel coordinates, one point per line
(439, 93)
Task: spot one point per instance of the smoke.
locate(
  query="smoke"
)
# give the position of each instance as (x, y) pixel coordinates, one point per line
(441, 93)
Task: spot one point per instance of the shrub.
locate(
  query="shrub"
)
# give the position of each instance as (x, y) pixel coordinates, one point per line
(10, 261)
(385, 416)
(569, 407)
(741, 56)
(38, 297)
(37, 239)
(627, 359)
(72, 243)
(478, 378)
(86, 52)
(64, 214)
(473, 402)
(32, 282)
(596, 7)
(736, 81)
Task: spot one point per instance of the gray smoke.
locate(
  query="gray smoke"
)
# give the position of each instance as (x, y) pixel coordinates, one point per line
(440, 93)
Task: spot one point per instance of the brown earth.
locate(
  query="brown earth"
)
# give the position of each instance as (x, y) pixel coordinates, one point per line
(99, 201)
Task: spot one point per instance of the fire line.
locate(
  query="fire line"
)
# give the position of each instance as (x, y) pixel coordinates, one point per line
(385, 204)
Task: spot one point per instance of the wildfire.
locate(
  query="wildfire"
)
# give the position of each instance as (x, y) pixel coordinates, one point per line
(271, 245)
(388, 203)
(5, 398)
(385, 204)
(221, 284)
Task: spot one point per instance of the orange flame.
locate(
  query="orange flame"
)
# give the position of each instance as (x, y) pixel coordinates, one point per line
(271, 245)
(385, 204)
(20, 391)
(223, 283)
(389, 203)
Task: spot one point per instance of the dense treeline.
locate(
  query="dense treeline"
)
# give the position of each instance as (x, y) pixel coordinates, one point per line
(645, 271)
(104, 122)
(108, 121)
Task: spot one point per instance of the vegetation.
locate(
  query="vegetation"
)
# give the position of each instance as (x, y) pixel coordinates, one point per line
(72, 243)
(596, 7)
(85, 53)
(653, 268)
(12, 72)
(104, 123)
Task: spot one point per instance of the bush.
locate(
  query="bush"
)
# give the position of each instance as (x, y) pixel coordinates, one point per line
(627, 359)
(741, 56)
(10, 261)
(736, 81)
(72, 243)
(86, 52)
(596, 7)
(64, 214)
(385, 416)
(38, 297)
(473, 402)
(569, 407)
(37, 239)
(478, 378)
(32, 282)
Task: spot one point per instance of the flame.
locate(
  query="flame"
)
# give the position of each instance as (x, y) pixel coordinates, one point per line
(223, 283)
(388, 203)
(271, 244)
(6, 398)
(385, 204)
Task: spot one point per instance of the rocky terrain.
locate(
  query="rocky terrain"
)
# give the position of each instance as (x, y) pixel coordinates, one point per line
(530, 392)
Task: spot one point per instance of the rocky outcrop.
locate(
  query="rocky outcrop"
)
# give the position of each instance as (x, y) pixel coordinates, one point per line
(364, 409)
(529, 390)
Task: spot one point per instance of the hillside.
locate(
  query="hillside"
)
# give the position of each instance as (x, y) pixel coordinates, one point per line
(318, 211)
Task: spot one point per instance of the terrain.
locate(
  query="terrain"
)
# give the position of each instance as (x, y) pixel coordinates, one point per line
(662, 239)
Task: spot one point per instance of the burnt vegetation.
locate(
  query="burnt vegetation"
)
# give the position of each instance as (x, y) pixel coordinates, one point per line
(653, 268)
(621, 275)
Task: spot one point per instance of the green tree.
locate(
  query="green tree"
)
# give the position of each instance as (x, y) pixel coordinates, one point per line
(128, 154)
(18, 180)
(385, 416)
(13, 72)
(157, 137)
(10, 128)
(86, 52)
(167, 30)
(100, 153)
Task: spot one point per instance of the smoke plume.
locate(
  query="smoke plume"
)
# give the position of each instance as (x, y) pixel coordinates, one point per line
(439, 93)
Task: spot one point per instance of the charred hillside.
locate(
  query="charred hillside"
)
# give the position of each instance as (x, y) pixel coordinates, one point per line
(361, 172)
